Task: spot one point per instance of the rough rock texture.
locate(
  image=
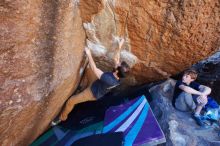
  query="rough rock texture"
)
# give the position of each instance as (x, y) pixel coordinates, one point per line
(41, 49)
(179, 127)
(42, 43)
(162, 37)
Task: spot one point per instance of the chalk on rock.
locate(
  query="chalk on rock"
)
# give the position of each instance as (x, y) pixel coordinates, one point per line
(90, 32)
(96, 48)
(130, 58)
(88, 26)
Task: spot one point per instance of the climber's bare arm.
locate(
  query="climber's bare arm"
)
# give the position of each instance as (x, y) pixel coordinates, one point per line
(117, 54)
(92, 64)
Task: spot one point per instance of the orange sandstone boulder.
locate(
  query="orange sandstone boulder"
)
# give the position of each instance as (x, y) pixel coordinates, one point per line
(42, 46)
(41, 49)
(162, 37)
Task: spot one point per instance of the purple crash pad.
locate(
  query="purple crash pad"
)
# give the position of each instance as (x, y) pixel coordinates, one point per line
(137, 122)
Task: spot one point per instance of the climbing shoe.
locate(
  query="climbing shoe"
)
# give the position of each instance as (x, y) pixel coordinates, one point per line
(199, 120)
(55, 122)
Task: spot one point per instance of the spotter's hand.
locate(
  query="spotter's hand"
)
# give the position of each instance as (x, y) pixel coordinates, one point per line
(202, 99)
